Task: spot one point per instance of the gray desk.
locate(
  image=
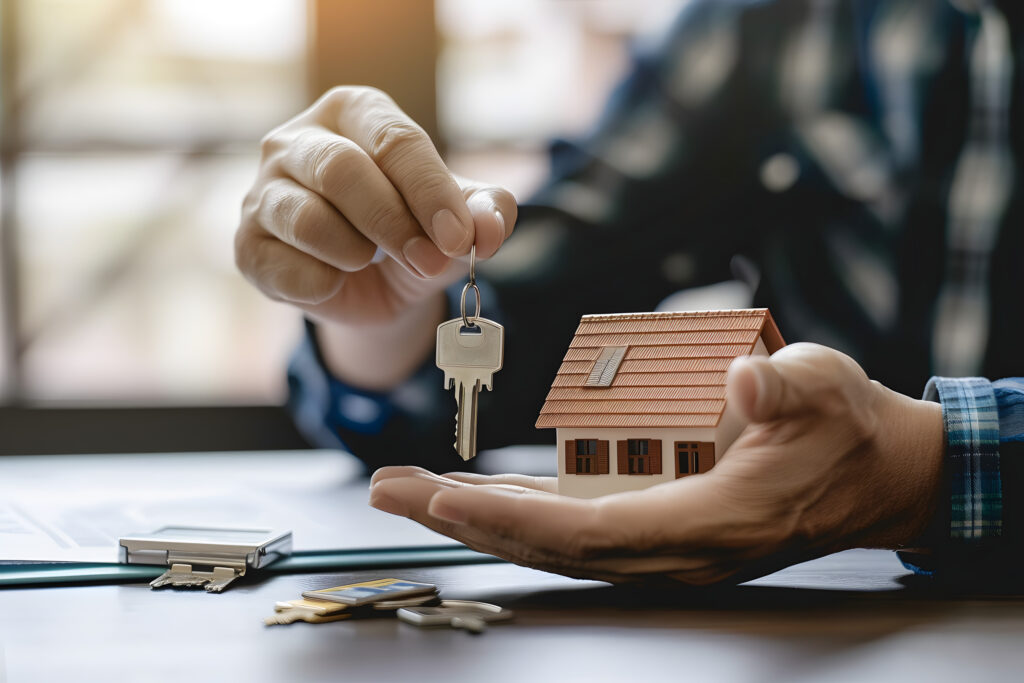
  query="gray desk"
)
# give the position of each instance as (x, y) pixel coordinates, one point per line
(847, 617)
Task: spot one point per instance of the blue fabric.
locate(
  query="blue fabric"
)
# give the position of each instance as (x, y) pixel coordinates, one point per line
(1009, 395)
(971, 421)
(984, 423)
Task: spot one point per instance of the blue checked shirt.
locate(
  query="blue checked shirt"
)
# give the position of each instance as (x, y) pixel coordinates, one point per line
(856, 164)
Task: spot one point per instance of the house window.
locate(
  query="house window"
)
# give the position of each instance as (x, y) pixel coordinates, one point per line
(586, 452)
(694, 458)
(586, 456)
(637, 446)
(639, 456)
(683, 458)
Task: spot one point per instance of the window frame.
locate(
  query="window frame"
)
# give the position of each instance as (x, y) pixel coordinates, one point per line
(693, 450)
(585, 462)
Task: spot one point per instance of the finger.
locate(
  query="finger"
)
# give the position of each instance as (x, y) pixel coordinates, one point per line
(546, 484)
(549, 524)
(306, 221)
(281, 271)
(410, 496)
(396, 471)
(407, 156)
(760, 391)
(494, 214)
(342, 173)
(680, 516)
(797, 379)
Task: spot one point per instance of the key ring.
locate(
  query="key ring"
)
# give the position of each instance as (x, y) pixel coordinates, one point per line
(476, 290)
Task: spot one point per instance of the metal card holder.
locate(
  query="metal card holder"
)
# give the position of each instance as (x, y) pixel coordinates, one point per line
(211, 557)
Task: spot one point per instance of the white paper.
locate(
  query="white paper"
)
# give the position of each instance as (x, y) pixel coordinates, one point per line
(76, 507)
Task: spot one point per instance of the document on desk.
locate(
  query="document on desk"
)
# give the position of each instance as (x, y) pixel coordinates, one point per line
(74, 508)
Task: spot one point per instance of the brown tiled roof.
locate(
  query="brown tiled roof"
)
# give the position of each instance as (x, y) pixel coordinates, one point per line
(672, 374)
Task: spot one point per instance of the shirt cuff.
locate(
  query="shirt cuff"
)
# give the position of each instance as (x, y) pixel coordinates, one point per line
(971, 419)
(972, 476)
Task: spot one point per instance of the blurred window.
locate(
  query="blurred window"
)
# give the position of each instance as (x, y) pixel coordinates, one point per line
(130, 136)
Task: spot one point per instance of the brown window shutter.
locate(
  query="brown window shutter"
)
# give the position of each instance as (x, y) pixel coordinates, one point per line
(602, 457)
(570, 456)
(654, 455)
(707, 456)
(623, 462)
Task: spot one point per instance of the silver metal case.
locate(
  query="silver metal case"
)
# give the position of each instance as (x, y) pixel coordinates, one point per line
(228, 553)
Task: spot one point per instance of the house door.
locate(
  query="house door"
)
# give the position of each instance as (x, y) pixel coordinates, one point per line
(694, 457)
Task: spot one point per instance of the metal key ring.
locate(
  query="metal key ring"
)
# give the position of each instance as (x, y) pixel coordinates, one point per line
(468, 322)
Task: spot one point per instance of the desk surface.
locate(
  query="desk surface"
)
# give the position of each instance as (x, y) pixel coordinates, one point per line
(847, 617)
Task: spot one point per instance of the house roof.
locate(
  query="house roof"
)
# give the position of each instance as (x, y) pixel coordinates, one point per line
(653, 369)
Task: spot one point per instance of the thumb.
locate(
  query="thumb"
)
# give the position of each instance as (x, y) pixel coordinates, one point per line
(494, 214)
(761, 393)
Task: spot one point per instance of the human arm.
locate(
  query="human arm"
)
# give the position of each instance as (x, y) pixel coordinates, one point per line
(645, 205)
(830, 460)
(355, 219)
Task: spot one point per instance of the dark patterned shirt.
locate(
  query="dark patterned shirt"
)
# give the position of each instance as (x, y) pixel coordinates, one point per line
(854, 165)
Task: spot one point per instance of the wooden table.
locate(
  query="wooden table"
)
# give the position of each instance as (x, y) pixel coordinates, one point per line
(854, 616)
(847, 617)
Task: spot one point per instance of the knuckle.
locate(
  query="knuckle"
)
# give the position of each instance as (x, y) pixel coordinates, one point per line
(343, 94)
(315, 285)
(251, 201)
(268, 144)
(426, 182)
(345, 97)
(334, 98)
(333, 165)
(304, 221)
(392, 141)
(272, 144)
(386, 219)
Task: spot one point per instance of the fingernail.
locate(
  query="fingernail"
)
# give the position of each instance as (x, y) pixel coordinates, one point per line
(446, 513)
(387, 504)
(501, 222)
(448, 231)
(422, 255)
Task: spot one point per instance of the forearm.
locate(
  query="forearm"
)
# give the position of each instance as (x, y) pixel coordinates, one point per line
(380, 357)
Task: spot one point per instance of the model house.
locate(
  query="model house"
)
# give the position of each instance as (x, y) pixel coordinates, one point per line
(640, 397)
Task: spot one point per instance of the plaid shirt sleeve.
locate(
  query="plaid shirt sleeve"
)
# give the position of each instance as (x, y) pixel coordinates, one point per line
(984, 423)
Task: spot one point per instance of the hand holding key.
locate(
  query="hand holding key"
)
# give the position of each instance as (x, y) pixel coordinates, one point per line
(354, 218)
(469, 350)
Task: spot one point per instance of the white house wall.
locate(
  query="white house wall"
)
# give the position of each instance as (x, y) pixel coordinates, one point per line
(594, 485)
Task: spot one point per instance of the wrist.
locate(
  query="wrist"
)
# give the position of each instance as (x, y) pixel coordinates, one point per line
(917, 452)
(379, 357)
(928, 523)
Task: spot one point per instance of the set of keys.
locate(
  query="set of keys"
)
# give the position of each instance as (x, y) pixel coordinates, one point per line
(470, 349)
(415, 603)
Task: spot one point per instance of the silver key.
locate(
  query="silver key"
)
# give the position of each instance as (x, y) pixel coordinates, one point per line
(469, 356)
(469, 615)
(469, 350)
